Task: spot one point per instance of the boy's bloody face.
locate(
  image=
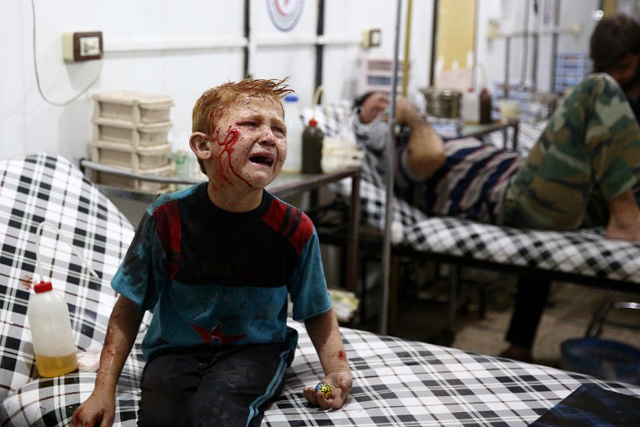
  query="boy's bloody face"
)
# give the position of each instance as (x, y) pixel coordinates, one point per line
(249, 143)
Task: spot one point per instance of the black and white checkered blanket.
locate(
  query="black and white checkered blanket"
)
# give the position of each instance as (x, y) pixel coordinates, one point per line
(584, 255)
(47, 188)
(396, 382)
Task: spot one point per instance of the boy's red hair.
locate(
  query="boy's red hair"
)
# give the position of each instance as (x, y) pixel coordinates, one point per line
(211, 105)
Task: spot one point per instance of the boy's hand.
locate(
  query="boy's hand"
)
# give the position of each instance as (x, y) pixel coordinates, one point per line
(95, 411)
(340, 381)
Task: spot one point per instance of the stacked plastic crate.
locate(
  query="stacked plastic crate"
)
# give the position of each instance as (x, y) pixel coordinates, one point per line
(131, 132)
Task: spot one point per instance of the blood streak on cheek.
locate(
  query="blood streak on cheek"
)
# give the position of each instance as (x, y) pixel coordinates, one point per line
(228, 145)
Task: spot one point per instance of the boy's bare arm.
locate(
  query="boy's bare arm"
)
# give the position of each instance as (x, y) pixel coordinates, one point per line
(99, 408)
(325, 334)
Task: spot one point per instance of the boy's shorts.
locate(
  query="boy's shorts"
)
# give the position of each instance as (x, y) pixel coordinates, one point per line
(228, 386)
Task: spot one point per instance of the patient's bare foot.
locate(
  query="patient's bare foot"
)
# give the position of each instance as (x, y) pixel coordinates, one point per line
(624, 231)
(624, 222)
(518, 352)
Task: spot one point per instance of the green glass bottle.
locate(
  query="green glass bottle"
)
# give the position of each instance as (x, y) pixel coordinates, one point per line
(312, 137)
(485, 107)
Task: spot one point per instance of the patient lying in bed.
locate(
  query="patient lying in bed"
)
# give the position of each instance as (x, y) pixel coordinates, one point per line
(557, 187)
(560, 185)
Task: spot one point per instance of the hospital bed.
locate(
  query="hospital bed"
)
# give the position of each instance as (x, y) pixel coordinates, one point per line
(583, 257)
(396, 382)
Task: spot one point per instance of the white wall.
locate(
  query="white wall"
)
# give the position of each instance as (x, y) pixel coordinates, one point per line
(182, 47)
(174, 47)
(28, 124)
(510, 14)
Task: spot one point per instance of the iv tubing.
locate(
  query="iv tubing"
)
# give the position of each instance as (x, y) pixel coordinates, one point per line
(57, 230)
(316, 98)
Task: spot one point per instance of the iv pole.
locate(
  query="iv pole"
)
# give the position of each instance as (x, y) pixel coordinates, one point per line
(390, 158)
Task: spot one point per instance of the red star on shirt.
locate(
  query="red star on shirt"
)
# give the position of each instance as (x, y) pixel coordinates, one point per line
(216, 334)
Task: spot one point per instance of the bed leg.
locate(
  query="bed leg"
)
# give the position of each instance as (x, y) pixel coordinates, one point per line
(454, 285)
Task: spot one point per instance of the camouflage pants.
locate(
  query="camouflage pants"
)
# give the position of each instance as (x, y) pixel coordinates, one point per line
(589, 153)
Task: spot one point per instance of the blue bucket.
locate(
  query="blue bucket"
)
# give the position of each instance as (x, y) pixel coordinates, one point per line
(602, 358)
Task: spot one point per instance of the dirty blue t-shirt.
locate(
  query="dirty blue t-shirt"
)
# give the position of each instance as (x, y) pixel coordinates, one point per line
(216, 278)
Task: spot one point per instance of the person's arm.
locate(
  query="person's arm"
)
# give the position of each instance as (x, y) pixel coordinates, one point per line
(425, 149)
(99, 408)
(325, 335)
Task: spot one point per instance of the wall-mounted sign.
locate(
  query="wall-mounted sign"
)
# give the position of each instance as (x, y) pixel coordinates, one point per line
(285, 14)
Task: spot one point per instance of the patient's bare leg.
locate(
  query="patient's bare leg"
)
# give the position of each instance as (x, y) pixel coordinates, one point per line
(624, 218)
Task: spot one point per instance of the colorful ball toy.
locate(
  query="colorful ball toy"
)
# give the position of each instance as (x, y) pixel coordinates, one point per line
(325, 389)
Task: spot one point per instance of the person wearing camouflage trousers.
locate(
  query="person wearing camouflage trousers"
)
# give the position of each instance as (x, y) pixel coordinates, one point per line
(589, 158)
(588, 154)
(580, 173)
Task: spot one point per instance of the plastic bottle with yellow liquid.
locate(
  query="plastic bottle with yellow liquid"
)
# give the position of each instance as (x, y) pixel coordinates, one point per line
(48, 314)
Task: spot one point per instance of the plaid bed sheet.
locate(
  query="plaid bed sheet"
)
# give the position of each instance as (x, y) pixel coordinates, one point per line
(48, 188)
(583, 253)
(396, 382)
(404, 383)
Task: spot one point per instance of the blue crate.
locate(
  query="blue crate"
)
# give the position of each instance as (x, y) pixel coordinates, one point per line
(602, 358)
